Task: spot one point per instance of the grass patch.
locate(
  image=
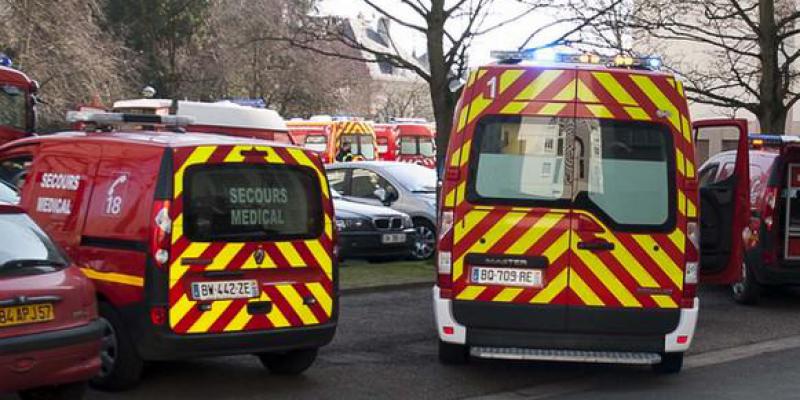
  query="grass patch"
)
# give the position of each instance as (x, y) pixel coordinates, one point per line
(361, 274)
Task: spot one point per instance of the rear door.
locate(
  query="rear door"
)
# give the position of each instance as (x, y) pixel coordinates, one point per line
(512, 209)
(252, 240)
(724, 207)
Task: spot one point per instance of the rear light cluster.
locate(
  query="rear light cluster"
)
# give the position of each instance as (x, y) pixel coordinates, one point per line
(160, 236)
(444, 259)
(692, 270)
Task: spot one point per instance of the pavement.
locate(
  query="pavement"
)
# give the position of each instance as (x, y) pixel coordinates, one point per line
(386, 348)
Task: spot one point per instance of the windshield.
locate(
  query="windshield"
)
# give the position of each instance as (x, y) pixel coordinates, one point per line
(316, 143)
(23, 240)
(619, 169)
(416, 145)
(361, 144)
(414, 178)
(13, 106)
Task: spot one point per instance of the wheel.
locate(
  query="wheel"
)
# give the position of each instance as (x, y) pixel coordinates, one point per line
(70, 391)
(121, 366)
(748, 290)
(453, 354)
(289, 363)
(671, 363)
(425, 244)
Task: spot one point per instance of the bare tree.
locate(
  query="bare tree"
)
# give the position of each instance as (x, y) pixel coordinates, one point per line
(74, 61)
(734, 54)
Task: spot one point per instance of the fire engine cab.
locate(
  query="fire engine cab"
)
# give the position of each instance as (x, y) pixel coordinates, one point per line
(569, 222)
(17, 102)
(198, 244)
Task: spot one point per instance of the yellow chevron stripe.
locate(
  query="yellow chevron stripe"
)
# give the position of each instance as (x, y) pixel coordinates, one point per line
(691, 210)
(583, 291)
(545, 223)
(552, 108)
(567, 93)
(585, 94)
(687, 129)
(559, 247)
(690, 171)
(209, 317)
(322, 257)
(539, 84)
(470, 292)
(114, 277)
(470, 220)
(552, 288)
(607, 278)
(478, 105)
(199, 155)
(462, 118)
(496, 232)
(239, 321)
(296, 302)
(301, 158)
(224, 257)
(631, 264)
(614, 88)
(176, 270)
(276, 317)
(678, 239)
(661, 259)
(514, 107)
(599, 111)
(178, 310)
(465, 151)
(291, 254)
(680, 161)
(664, 301)
(508, 78)
(450, 199)
(322, 296)
(681, 202)
(177, 228)
(658, 98)
(637, 113)
(507, 294)
(473, 75)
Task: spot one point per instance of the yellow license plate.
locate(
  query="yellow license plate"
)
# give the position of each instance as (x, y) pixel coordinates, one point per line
(27, 314)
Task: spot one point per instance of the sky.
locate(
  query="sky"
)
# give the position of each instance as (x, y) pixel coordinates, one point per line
(508, 37)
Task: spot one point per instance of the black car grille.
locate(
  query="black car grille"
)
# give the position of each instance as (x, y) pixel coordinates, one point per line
(388, 223)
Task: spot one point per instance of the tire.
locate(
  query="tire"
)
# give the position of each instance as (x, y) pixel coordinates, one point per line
(453, 354)
(425, 245)
(293, 362)
(70, 391)
(671, 363)
(121, 366)
(748, 290)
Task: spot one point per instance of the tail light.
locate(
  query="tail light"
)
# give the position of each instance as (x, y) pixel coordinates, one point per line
(160, 238)
(692, 270)
(444, 259)
(158, 315)
(770, 197)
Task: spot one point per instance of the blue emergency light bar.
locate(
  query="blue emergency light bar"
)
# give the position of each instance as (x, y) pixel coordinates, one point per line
(760, 140)
(550, 55)
(5, 61)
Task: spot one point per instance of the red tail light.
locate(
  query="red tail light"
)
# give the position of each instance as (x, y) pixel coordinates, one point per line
(770, 196)
(692, 270)
(158, 315)
(444, 256)
(160, 235)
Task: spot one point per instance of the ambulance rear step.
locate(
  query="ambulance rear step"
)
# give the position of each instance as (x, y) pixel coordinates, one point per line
(603, 357)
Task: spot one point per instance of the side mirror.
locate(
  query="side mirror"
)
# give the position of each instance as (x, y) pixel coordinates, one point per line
(381, 194)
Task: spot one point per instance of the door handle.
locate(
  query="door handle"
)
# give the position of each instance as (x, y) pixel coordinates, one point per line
(597, 245)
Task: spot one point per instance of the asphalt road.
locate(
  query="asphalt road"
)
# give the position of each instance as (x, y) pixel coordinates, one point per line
(386, 348)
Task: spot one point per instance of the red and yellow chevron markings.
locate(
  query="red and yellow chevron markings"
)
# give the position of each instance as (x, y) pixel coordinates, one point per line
(312, 258)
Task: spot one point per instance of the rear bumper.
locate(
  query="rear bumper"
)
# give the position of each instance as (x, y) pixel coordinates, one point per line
(637, 339)
(369, 244)
(51, 358)
(159, 343)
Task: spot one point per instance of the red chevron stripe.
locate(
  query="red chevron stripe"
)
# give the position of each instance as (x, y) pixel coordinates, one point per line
(581, 269)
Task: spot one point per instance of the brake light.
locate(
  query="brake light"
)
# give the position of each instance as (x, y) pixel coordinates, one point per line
(158, 315)
(444, 258)
(692, 269)
(160, 238)
(770, 197)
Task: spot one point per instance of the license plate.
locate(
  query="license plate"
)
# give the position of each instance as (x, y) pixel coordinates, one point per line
(225, 290)
(507, 276)
(27, 314)
(389, 238)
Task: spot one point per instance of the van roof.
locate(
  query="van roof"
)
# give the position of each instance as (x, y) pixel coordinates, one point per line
(222, 113)
(147, 138)
(15, 77)
(580, 67)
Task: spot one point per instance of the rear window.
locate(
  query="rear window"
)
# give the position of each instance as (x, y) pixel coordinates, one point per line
(622, 171)
(251, 202)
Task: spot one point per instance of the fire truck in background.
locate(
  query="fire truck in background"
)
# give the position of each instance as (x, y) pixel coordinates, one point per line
(407, 140)
(326, 135)
(17, 102)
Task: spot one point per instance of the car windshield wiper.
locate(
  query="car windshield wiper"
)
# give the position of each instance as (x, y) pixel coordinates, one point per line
(25, 263)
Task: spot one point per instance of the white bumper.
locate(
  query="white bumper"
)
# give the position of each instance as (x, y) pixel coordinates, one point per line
(674, 341)
(443, 312)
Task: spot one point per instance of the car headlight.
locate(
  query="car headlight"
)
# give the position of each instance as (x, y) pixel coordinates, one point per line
(352, 224)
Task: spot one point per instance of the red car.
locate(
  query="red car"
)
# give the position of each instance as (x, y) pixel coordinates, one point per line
(50, 336)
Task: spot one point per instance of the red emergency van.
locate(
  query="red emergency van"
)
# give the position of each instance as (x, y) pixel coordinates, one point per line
(569, 226)
(198, 244)
(415, 143)
(385, 137)
(17, 104)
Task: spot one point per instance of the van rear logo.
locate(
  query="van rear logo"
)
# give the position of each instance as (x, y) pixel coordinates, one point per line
(259, 256)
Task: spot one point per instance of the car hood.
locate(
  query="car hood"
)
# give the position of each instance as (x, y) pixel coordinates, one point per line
(349, 209)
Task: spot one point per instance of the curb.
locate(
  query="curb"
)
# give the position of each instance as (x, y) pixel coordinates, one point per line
(384, 288)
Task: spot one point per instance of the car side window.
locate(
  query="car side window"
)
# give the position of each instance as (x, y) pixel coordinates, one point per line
(337, 179)
(708, 174)
(365, 183)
